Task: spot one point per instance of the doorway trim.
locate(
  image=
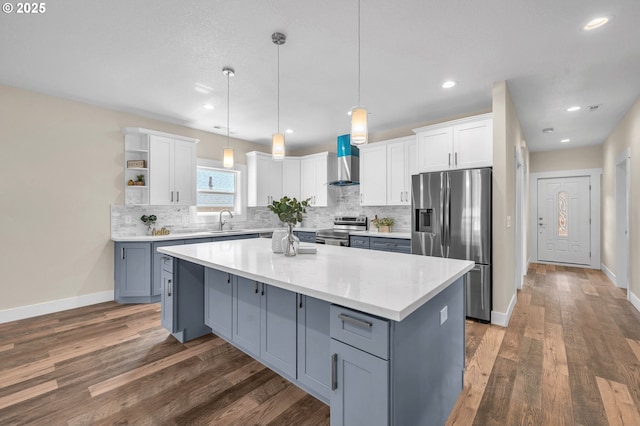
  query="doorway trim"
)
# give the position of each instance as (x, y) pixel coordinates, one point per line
(595, 175)
(622, 207)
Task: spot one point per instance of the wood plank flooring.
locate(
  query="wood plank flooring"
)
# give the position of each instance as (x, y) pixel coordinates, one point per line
(570, 356)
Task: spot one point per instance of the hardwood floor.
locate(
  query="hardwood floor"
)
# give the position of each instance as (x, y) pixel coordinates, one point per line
(570, 356)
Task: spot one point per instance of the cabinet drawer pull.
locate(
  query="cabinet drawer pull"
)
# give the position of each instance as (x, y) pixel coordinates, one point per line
(355, 321)
(334, 371)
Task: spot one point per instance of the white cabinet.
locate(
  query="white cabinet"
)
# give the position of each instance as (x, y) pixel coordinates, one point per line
(291, 177)
(316, 171)
(373, 175)
(165, 163)
(172, 171)
(401, 164)
(264, 179)
(460, 144)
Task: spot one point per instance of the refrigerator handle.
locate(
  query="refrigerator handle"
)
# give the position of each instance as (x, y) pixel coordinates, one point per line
(443, 228)
(447, 208)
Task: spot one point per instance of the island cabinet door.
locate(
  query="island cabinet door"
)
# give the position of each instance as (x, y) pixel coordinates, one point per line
(314, 353)
(218, 302)
(246, 315)
(167, 299)
(360, 387)
(278, 329)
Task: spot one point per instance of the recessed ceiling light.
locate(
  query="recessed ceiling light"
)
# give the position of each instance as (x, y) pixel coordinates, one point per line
(448, 84)
(565, 140)
(203, 88)
(288, 131)
(573, 108)
(208, 106)
(547, 130)
(596, 23)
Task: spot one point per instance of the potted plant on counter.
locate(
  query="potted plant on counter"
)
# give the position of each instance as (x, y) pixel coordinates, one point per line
(149, 221)
(289, 211)
(384, 224)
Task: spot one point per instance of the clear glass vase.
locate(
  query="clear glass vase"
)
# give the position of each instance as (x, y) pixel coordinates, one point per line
(290, 243)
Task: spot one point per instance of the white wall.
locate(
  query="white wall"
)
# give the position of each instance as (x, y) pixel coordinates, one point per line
(62, 166)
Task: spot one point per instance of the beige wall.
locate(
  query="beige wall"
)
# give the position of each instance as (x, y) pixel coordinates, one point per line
(507, 137)
(626, 135)
(61, 168)
(567, 159)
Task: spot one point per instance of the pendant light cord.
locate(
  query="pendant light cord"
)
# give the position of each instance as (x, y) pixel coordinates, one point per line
(359, 53)
(278, 88)
(228, 108)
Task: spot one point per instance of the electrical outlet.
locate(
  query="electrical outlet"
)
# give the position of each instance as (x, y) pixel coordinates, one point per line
(444, 315)
(508, 221)
(185, 219)
(127, 220)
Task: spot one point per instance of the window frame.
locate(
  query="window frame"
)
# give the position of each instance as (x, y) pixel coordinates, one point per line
(240, 208)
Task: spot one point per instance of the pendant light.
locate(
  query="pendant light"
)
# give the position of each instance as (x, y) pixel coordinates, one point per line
(227, 153)
(277, 142)
(359, 113)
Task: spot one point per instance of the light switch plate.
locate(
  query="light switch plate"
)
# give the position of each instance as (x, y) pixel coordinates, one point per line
(508, 221)
(127, 220)
(443, 315)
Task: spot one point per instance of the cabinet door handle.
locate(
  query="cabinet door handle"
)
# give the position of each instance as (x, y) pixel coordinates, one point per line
(299, 300)
(172, 196)
(262, 292)
(256, 287)
(449, 159)
(122, 253)
(178, 196)
(355, 321)
(401, 196)
(169, 288)
(456, 157)
(334, 372)
(228, 278)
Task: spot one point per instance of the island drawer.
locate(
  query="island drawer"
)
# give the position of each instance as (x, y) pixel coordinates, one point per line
(360, 330)
(166, 263)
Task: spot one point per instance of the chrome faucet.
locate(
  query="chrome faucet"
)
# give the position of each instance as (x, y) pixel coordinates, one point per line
(222, 222)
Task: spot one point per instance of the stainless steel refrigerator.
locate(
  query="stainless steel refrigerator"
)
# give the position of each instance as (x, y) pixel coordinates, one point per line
(451, 217)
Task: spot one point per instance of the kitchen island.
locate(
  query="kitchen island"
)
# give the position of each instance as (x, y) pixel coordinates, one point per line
(379, 336)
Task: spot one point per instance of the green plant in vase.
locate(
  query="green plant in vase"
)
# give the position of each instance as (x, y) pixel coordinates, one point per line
(149, 221)
(290, 211)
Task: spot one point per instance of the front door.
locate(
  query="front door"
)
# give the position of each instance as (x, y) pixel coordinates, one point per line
(563, 220)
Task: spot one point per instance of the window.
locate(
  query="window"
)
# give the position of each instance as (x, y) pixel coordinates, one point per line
(217, 189)
(563, 215)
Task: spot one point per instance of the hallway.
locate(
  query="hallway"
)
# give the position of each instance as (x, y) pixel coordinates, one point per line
(571, 355)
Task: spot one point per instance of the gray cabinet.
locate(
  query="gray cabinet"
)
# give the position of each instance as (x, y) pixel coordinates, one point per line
(361, 387)
(182, 297)
(278, 329)
(314, 347)
(156, 271)
(166, 294)
(218, 296)
(246, 315)
(359, 241)
(305, 237)
(132, 272)
(398, 245)
(359, 368)
(264, 323)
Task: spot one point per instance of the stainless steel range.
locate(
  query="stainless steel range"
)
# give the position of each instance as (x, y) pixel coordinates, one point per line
(339, 234)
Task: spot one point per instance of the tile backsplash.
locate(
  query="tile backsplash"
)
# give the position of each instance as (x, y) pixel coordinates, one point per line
(125, 220)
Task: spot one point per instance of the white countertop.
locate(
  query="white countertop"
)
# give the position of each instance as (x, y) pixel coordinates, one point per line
(402, 235)
(336, 274)
(186, 235)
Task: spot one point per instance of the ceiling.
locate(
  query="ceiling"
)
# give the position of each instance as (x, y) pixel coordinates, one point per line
(146, 57)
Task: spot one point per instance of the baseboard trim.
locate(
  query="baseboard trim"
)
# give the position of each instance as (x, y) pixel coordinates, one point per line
(502, 318)
(29, 311)
(609, 274)
(635, 301)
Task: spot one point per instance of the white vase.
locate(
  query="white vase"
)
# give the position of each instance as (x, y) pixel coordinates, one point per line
(290, 243)
(276, 240)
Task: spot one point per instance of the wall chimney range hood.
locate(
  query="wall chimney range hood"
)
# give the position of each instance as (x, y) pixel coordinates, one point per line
(348, 163)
